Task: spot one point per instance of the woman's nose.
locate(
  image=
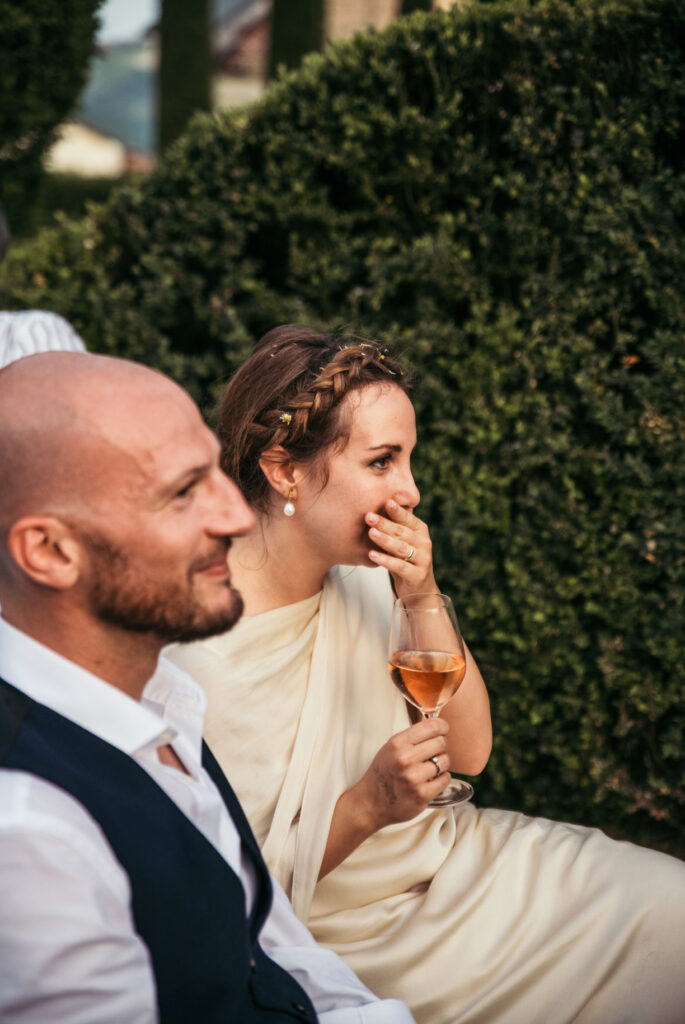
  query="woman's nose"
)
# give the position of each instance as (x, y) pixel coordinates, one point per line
(408, 495)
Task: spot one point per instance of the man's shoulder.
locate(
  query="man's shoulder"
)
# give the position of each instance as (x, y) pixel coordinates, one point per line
(25, 317)
(40, 819)
(32, 331)
(30, 801)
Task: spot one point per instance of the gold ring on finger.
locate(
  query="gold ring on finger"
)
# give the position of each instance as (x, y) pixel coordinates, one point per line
(438, 769)
(409, 557)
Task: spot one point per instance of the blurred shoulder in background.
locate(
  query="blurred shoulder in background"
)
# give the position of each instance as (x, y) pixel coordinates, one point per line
(32, 331)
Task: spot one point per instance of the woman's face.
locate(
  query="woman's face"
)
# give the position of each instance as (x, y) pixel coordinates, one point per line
(373, 467)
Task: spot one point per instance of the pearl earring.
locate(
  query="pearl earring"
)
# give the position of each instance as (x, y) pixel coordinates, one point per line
(289, 507)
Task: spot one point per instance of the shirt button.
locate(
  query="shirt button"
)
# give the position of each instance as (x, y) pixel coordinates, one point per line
(166, 737)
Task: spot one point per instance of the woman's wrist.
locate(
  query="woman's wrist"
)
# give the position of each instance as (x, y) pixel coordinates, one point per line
(353, 822)
(361, 809)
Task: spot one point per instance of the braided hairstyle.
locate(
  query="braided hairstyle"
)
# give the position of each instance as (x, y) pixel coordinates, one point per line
(289, 393)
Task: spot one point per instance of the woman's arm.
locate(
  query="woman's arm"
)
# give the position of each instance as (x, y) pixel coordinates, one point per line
(468, 713)
(469, 740)
(398, 784)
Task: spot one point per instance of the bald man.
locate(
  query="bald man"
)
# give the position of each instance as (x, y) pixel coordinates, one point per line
(131, 888)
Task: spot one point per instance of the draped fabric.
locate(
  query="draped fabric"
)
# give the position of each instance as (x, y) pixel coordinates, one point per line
(471, 915)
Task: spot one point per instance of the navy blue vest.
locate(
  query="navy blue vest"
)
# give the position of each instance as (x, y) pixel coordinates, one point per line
(188, 905)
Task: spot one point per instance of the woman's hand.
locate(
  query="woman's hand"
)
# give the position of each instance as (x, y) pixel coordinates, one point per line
(399, 783)
(404, 548)
(401, 780)
(468, 713)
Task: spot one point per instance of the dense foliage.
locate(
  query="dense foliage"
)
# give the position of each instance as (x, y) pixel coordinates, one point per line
(45, 46)
(500, 192)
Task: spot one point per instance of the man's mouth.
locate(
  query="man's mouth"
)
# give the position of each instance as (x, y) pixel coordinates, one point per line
(216, 569)
(215, 564)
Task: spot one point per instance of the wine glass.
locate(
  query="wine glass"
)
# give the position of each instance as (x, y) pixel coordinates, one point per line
(427, 664)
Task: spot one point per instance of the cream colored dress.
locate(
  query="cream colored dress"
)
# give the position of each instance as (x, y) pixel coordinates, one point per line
(468, 915)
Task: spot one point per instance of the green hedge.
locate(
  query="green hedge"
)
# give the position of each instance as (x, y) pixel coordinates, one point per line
(66, 193)
(500, 192)
(46, 46)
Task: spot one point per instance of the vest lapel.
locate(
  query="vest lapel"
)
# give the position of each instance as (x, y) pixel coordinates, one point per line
(14, 707)
(263, 896)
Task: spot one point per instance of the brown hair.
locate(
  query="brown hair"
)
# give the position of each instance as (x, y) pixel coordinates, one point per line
(288, 393)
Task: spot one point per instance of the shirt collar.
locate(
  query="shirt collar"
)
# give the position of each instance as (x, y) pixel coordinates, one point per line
(171, 702)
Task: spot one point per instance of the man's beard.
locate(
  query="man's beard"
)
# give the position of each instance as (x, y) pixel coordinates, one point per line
(164, 608)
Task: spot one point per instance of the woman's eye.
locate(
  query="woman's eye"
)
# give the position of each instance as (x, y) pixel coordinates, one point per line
(381, 462)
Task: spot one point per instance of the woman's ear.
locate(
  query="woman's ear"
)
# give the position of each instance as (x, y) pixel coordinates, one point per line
(46, 550)
(280, 470)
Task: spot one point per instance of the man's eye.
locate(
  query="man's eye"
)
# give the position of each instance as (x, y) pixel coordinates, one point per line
(185, 491)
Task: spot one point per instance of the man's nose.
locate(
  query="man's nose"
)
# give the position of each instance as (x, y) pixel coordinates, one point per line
(233, 516)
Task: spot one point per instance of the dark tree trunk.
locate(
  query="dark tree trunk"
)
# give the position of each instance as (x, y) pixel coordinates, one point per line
(407, 6)
(297, 28)
(184, 66)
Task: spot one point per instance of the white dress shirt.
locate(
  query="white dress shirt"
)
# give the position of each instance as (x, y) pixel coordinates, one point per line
(69, 951)
(32, 331)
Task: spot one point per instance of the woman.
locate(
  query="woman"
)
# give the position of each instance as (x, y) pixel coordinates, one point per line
(466, 914)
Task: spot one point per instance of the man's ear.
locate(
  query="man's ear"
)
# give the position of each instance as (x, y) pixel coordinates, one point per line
(46, 550)
(280, 470)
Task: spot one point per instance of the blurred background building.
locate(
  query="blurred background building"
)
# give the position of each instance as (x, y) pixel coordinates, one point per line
(114, 128)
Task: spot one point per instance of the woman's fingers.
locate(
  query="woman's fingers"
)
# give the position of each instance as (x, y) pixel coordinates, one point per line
(436, 767)
(433, 754)
(408, 771)
(401, 557)
(399, 520)
(400, 525)
(426, 730)
(398, 547)
(419, 743)
(403, 546)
